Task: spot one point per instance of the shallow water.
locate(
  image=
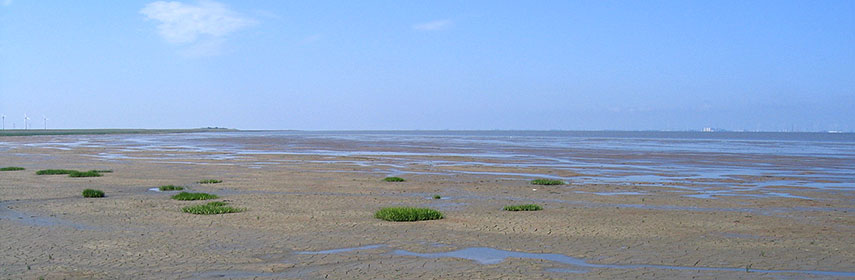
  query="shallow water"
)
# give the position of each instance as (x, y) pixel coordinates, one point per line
(13, 215)
(487, 256)
(614, 193)
(342, 250)
(712, 165)
(236, 274)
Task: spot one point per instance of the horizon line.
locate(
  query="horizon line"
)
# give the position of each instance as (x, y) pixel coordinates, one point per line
(213, 129)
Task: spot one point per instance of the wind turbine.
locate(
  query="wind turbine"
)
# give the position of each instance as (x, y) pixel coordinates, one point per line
(45, 118)
(25, 121)
(4, 122)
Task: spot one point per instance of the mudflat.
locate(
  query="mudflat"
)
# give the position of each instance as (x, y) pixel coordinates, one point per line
(311, 216)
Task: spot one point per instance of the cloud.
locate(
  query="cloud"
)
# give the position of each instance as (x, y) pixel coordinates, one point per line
(181, 23)
(7, 2)
(434, 25)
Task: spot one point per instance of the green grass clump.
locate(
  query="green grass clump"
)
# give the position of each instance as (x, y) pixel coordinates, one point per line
(73, 173)
(55, 172)
(437, 197)
(92, 193)
(194, 196)
(394, 179)
(90, 173)
(211, 208)
(524, 207)
(12, 168)
(546, 182)
(210, 181)
(104, 171)
(407, 214)
(170, 188)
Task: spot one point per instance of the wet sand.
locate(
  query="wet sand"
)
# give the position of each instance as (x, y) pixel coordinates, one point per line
(311, 217)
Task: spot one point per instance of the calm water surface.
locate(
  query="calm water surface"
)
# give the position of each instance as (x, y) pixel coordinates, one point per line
(705, 165)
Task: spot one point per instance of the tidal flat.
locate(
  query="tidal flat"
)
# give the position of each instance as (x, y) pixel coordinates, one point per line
(633, 206)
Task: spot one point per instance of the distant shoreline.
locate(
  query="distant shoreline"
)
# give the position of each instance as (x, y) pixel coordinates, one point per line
(37, 132)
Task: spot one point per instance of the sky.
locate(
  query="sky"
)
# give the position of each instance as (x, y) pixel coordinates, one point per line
(481, 65)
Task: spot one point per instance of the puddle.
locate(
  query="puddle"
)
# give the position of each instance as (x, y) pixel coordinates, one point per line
(519, 174)
(156, 189)
(7, 213)
(240, 274)
(485, 255)
(448, 205)
(440, 198)
(343, 250)
(722, 193)
(614, 193)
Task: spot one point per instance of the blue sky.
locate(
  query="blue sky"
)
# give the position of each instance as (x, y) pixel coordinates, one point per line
(574, 65)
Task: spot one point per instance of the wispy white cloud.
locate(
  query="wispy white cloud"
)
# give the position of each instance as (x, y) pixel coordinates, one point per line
(434, 25)
(203, 25)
